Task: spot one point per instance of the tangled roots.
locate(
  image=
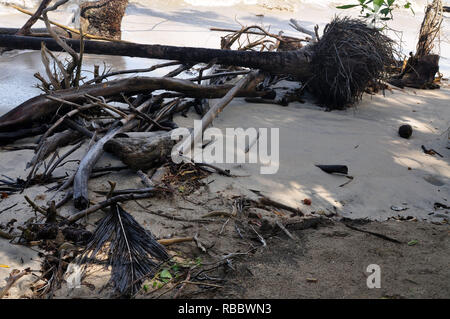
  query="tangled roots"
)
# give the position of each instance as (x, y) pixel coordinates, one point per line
(348, 56)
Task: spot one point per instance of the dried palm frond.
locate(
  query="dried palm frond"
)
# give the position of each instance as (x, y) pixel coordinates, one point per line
(132, 251)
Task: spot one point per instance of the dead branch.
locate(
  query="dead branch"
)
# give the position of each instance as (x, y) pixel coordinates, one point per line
(32, 20)
(109, 202)
(40, 108)
(12, 279)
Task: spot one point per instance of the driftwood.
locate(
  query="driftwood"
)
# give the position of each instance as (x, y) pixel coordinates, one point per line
(80, 183)
(9, 137)
(141, 153)
(214, 111)
(52, 143)
(26, 29)
(13, 277)
(40, 108)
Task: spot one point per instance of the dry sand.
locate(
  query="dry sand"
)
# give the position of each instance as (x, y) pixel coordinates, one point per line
(364, 138)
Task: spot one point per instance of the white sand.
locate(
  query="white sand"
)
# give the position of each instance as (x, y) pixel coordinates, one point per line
(363, 138)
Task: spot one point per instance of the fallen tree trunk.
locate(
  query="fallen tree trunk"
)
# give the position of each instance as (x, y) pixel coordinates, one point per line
(286, 62)
(42, 32)
(337, 69)
(40, 108)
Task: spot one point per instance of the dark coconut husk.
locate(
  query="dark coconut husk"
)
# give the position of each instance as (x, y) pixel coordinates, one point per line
(349, 55)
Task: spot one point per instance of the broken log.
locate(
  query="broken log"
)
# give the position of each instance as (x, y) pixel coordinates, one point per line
(421, 67)
(420, 73)
(141, 153)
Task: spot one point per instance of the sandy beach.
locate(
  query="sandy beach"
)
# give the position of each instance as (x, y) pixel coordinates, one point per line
(388, 171)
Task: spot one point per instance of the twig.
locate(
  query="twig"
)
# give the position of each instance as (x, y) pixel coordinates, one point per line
(4, 210)
(171, 241)
(145, 179)
(279, 224)
(261, 238)
(296, 25)
(13, 277)
(375, 234)
(35, 206)
(270, 202)
(98, 79)
(214, 111)
(108, 202)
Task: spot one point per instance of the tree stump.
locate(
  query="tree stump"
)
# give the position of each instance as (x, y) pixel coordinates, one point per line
(103, 17)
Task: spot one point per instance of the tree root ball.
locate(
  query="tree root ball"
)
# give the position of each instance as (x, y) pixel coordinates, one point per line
(348, 57)
(405, 131)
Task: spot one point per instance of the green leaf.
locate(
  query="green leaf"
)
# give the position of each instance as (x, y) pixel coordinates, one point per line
(385, 11)
(145, 288)
(165, 275)
(175, 267)
(413, 242)
(348, 6)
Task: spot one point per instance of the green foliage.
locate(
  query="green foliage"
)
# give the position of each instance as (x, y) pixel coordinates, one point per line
(377, 10)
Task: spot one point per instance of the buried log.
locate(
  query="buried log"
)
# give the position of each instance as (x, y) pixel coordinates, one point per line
(337, 68)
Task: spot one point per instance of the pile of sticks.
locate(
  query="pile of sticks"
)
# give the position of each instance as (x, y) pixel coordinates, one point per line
(76, 111)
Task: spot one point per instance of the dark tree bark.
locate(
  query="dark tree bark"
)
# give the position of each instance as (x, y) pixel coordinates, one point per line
(288, 62)
(422, 67)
